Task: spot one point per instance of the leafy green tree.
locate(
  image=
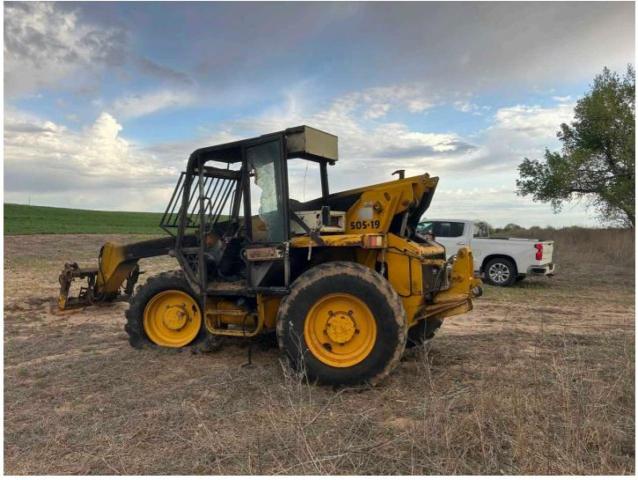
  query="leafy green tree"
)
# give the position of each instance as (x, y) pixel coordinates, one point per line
(597, 161)
(512, 226)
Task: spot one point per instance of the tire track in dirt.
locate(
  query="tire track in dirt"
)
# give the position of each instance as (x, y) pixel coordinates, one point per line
(69, 355)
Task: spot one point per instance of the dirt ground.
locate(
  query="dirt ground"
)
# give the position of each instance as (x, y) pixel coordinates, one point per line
(539, 378)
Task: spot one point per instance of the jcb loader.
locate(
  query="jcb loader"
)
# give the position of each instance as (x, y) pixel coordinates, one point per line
(344, 280)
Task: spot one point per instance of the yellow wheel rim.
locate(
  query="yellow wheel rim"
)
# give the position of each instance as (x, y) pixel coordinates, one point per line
(340, 330)
(172, 319)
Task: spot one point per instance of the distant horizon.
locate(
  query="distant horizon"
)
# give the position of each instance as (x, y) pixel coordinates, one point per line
(496, 226)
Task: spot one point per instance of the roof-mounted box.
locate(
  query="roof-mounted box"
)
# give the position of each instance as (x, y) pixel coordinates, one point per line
(312, 144)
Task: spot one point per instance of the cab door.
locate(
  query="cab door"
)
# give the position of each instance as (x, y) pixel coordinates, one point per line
(266, 211)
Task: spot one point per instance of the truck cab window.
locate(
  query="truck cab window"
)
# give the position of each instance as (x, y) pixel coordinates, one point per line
(447, 229)
(441, 229)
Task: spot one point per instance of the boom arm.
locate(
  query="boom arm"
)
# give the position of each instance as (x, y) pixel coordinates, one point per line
(117, 266)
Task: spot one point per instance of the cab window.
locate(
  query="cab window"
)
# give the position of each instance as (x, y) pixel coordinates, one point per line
(424, 228)
(443, 229)
(304, 181)
(264, 187)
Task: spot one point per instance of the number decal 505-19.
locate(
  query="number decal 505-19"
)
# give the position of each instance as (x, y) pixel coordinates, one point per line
(364, 224)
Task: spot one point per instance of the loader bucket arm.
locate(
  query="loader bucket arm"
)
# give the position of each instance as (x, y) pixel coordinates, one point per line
(115, 275)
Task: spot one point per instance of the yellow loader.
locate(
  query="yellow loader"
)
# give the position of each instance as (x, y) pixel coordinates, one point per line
(344, 280)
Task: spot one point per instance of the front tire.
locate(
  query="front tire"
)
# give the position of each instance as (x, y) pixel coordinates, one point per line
(342, 324)
(164, 312)
(500, 272)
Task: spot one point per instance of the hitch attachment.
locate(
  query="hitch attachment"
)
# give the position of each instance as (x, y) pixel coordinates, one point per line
(95, 290)
(115, 276)
(70, 272)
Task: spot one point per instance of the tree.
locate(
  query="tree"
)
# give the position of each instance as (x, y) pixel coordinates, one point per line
(484, 228)
(512, 226)
(597, 161)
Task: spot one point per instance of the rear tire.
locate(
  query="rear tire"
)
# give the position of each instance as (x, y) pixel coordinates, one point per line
(342, 324)
(500, 271)
(141, 334)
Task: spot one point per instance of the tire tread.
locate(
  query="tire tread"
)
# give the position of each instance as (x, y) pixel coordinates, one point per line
(134, 327)
(309, 277)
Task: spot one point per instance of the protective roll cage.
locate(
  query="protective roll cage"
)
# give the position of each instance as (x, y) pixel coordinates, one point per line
(207, 201)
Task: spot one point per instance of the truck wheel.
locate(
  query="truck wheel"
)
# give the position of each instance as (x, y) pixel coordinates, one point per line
(423, 331)
(500, 272)
(164, 312)
(342, 324)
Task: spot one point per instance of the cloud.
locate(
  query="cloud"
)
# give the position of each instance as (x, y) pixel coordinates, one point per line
(375, 103)
(25, 127)
(144, 104)
(371, 145)
(90, 164)
(473, 46)
(412, 97)
(499, 205)
(44, 45)
(377, 110)
(93, 167)
(378, 147)
(418, 105)
(466, 106)
(175, 154)
(516, 132)
(533, 121)
(493, 45)
(425, 148)
(477, 46)
(161, 72)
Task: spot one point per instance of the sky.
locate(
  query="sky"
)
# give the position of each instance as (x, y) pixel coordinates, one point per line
(103, 102)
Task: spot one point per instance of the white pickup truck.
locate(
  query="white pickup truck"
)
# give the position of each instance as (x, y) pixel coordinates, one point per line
(501, 261)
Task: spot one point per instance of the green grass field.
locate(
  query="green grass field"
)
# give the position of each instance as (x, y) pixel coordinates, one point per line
(24, 219)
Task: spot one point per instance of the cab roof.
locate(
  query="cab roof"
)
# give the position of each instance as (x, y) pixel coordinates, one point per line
(301, 142)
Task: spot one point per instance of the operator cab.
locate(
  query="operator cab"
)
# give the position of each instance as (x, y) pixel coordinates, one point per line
(231, 213)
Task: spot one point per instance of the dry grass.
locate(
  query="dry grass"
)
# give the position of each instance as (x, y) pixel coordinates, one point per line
(539, 378)
(591, 245)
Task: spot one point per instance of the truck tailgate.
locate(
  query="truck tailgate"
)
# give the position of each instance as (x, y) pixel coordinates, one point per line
(548, 252)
